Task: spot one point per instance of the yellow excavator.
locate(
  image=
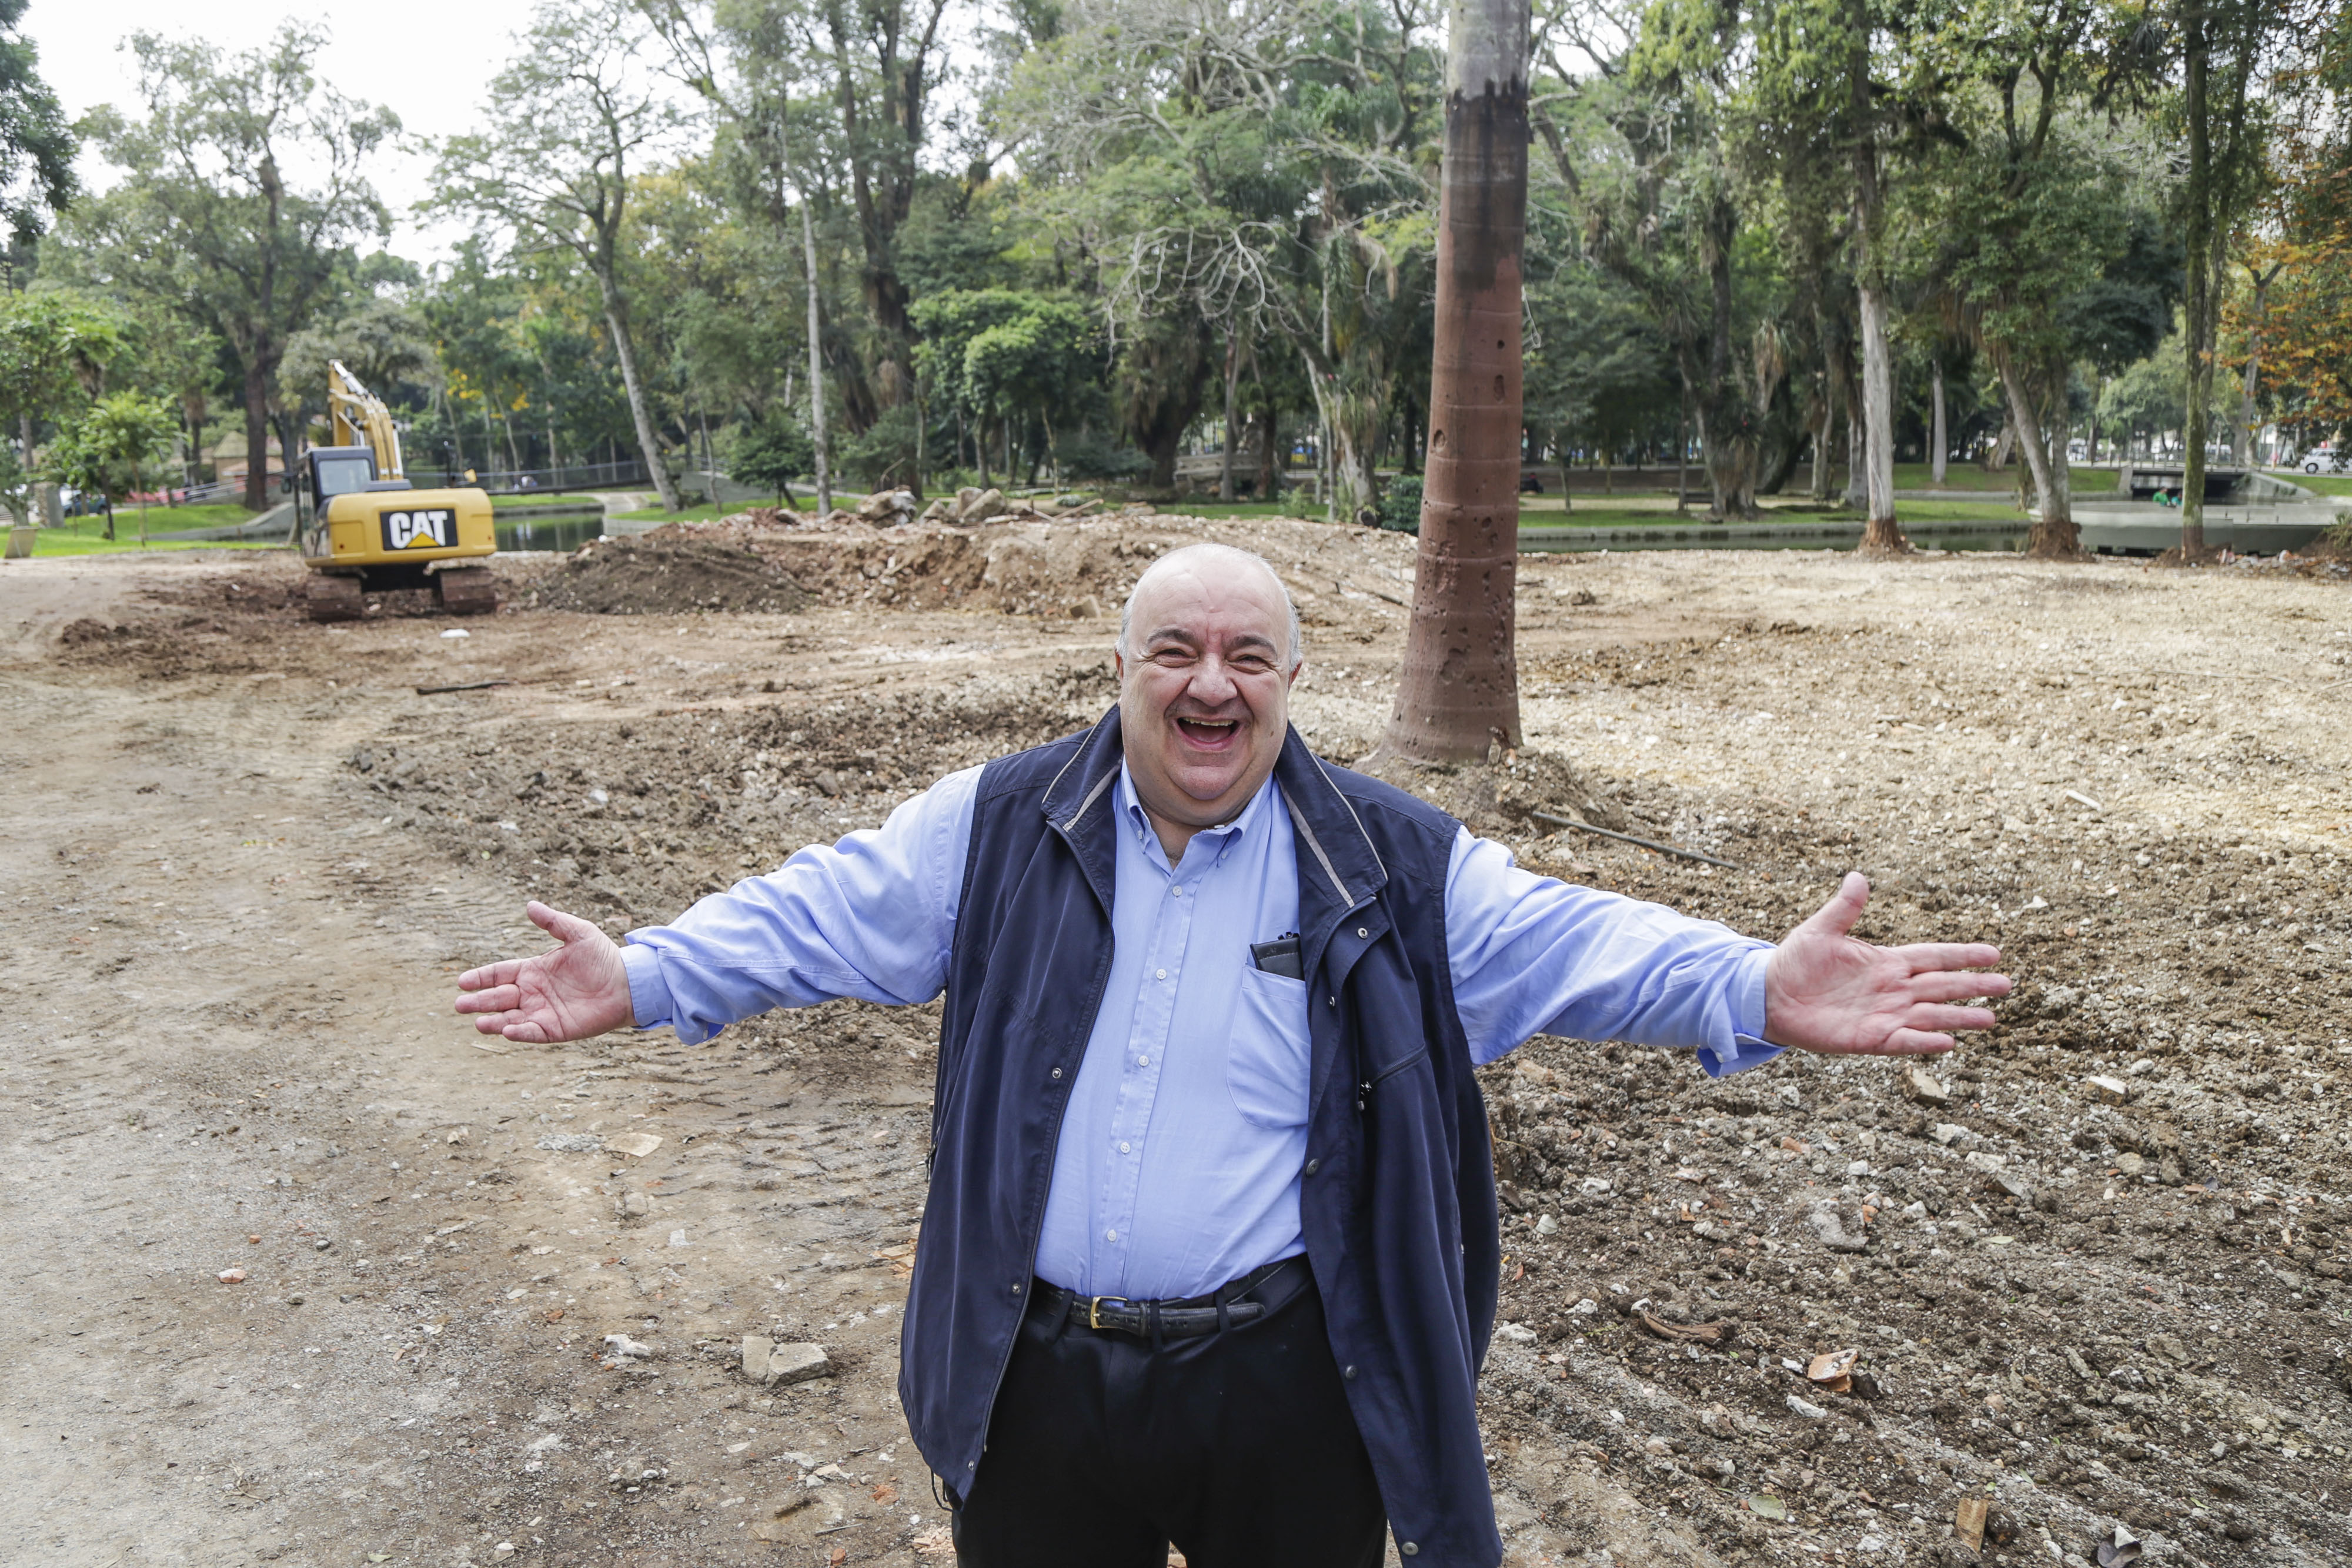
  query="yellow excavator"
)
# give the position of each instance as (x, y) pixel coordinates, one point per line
(369, 531)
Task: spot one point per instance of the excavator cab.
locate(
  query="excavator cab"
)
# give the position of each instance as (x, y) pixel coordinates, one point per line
(343, 470)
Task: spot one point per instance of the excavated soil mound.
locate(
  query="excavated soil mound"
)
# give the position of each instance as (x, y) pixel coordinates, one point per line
(664, 573)
(1072, 568)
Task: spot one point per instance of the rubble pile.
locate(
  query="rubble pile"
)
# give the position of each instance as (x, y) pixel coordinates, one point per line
(990, 555)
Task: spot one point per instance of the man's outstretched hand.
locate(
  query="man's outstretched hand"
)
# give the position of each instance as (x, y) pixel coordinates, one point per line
(579, 989)
(1826, 991)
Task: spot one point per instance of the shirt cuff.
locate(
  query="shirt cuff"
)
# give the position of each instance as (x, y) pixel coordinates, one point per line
(1748, 1048)
(649, 1002)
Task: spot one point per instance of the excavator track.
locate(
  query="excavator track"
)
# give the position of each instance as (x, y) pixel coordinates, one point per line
(335, 598)
(467, 590)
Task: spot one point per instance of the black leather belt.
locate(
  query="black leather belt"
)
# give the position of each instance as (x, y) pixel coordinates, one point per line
(1241, 1301)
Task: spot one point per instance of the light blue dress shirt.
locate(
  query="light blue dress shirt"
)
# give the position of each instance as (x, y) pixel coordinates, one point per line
(1178, 1164)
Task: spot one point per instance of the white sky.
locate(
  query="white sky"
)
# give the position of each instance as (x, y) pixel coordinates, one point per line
(430, 61)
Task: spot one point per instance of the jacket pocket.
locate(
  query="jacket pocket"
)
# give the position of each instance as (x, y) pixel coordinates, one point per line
(1268, 1056)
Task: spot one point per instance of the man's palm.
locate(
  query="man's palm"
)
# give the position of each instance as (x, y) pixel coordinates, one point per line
(579, 989)
(1826, 991)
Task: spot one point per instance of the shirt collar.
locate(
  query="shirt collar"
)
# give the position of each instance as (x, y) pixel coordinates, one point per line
(1132, 812)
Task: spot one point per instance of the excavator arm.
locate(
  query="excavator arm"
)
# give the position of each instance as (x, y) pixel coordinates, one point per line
(360, 417)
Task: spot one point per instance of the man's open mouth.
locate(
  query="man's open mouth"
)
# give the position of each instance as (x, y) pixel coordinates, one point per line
(1208, 731)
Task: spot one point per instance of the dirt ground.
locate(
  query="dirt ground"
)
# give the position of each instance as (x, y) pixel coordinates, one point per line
(248, 859)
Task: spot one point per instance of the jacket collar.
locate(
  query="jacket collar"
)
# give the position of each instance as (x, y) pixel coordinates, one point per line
(1337, 858)
(1337, 867)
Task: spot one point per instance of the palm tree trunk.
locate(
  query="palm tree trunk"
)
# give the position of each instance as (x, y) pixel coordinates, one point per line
(1459, 692)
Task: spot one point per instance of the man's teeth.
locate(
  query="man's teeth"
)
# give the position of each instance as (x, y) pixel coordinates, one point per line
(1210, 723)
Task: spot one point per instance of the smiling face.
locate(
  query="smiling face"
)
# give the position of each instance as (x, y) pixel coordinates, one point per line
(1204, 666)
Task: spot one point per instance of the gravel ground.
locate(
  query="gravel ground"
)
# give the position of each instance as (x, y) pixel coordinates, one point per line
(250, 859)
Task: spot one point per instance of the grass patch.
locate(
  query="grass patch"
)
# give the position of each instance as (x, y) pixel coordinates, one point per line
(545, 498)
(160, 520)
(2322, 484)
(1661, 514)
(62, 541)
(707, 513)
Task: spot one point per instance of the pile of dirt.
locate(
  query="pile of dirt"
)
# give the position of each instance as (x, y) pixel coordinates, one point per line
(1500, 797)
(1060, 568)
(666, 572)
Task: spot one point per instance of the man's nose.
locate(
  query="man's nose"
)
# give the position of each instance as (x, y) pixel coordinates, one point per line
(1211, 681)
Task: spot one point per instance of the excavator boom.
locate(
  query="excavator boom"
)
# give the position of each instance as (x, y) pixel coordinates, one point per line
(361, 419)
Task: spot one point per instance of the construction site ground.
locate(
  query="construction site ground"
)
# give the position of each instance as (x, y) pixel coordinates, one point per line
(301, 1271)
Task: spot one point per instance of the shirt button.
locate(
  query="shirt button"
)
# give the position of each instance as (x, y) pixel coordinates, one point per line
(1163, 975)
(1110, 1235)
(1122, 1148)
(1057, 1072)
(1312, 1165)
(1143, 1062)
(1175, 893)
(1362, 932)
(1349, 1374)
(1016, 1290)
(1408, 1549)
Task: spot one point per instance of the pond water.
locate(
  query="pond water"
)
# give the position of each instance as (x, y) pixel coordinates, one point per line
(552, 534)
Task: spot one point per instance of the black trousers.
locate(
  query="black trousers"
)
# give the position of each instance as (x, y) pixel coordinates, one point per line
(1238, 1446)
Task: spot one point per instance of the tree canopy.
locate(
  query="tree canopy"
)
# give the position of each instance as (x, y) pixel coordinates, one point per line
(1024, 242)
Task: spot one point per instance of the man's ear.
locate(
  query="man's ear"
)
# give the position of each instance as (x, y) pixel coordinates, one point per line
(1297, 670)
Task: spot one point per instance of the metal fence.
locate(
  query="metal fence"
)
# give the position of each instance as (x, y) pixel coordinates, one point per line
(529, 480)
(498, 482)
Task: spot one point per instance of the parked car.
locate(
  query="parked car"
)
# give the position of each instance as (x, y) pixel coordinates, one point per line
(2324, 460)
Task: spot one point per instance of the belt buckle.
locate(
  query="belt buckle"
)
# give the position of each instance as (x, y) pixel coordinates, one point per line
(1094, 1309)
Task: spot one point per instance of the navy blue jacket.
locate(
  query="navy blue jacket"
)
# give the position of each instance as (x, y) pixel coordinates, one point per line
(1398, 1191)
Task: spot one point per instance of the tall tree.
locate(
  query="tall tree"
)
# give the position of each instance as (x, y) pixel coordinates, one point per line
(2024, 211)
(36, 150)
(2226, 49)
(1822, 94)
(240, 200)
(570, 120)
(1258, 171)
(54, 349)
(875, 66)
(1459, 690)
(754, 101)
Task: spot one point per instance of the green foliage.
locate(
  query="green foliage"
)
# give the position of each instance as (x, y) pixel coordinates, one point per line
(55, 347)
(1400, 511)
(1006, 352)
(385, 344)
(239, 202)
(36, 150)
(884, 452)
(1255, 197)
(1090, 457)
(773, 454)
(116, 447)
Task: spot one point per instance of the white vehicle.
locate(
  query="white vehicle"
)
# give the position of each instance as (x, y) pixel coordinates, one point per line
(2323, 460)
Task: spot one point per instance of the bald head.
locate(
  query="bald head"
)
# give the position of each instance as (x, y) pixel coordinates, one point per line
(1212, 561)
(1207, 645)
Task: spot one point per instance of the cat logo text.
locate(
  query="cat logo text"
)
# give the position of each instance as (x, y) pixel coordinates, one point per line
(426, 527)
